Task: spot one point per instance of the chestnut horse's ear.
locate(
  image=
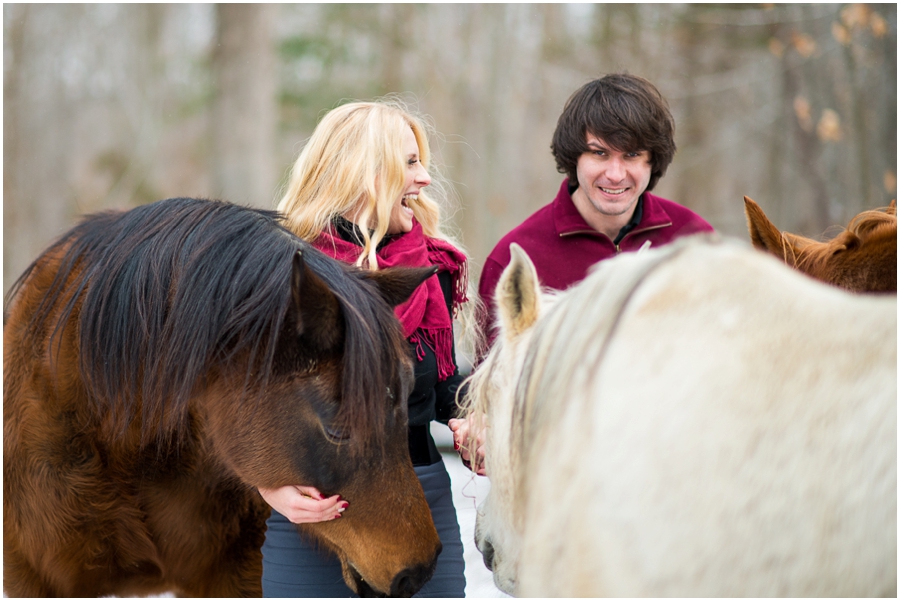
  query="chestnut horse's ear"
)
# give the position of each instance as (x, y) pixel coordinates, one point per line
(396, 284)
(766, 237)
(518, 294)
(316, 309)
(763, 233)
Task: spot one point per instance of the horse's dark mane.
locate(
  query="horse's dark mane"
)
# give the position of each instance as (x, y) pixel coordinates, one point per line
(171, 289)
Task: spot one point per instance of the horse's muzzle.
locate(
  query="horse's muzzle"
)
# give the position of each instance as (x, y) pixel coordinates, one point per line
(487, 554)
(406, 584)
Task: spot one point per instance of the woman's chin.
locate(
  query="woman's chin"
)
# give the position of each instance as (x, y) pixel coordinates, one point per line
(400, 228)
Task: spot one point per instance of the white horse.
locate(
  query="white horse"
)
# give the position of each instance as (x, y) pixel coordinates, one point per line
(698, 420)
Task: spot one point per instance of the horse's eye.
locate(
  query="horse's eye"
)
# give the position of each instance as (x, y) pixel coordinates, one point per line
(336, 436)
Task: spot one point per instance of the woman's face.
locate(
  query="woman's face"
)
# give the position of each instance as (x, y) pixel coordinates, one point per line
(416, 179)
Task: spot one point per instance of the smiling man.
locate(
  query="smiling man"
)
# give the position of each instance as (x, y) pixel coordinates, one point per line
(614, 140)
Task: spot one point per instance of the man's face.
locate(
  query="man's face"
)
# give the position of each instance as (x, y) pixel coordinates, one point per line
(612, 180)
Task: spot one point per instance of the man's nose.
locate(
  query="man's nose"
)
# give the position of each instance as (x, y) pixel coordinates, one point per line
(615, 169)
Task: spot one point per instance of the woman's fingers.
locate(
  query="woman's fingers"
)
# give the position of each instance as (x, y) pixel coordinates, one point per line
(304, 504)
(479, 459)
(464, 446)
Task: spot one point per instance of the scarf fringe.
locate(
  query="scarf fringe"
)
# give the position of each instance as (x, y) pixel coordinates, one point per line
(441, 342)
(449, 259)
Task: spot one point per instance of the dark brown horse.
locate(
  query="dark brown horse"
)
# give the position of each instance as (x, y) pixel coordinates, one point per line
(862, 258)
(161, 363)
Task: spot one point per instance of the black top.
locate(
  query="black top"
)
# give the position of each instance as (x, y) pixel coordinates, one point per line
(429, 399)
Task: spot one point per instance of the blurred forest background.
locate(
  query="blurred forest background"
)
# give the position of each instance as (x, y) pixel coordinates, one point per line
(114, 105)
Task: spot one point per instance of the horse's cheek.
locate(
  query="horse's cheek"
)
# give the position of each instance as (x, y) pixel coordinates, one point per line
(377, 487)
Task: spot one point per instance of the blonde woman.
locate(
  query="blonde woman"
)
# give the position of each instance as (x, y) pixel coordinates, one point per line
(357, 192)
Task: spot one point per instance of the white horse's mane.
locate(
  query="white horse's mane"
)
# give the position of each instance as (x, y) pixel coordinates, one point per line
(571, 337)
(560, 349)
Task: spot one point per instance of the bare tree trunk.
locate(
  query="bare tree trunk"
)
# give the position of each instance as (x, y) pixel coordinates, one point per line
(808, 152)
(244, 116)
(36, 200)
(16, 223)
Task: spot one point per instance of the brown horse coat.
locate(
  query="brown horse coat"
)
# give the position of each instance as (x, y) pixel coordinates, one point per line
(161, 363)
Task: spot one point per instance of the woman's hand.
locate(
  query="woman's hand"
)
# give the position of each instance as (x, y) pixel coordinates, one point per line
(303, 504)
(462, 443)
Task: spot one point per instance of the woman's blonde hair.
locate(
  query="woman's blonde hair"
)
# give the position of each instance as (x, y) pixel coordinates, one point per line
(354, 162)
(355, 156)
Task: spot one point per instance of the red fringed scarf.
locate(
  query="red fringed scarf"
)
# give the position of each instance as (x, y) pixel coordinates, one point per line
(424, 316)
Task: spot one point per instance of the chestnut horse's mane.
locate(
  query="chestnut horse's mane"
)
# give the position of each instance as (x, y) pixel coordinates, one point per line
(866, 226)
(872, 223)
(170, 290)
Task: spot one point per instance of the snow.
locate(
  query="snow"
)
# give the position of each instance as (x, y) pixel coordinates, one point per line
(468, 491)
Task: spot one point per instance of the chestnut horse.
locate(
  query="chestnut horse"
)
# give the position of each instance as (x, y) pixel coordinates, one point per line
(162, 362)
(862, 258)
(693, 421)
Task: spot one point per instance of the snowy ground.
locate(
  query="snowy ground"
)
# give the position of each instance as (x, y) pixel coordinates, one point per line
(468, 491)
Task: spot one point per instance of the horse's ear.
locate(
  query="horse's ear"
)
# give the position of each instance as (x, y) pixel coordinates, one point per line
(317, 311)
(768, 238)
(892, 208)
(763, 233)
(518, 294)
(396, 284)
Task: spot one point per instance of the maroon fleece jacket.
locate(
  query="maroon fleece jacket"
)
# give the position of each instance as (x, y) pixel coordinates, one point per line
(563, 246)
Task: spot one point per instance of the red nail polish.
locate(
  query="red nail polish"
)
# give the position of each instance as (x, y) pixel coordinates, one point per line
(345, 505)
(455, 446)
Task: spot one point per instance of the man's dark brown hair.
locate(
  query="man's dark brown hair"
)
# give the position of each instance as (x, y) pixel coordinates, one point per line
(626, 112)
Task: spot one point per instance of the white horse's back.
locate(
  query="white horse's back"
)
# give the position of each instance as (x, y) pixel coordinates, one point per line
(702, 421)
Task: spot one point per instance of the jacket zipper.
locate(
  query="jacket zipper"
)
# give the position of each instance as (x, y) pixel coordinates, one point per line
(641, 231)
(618, 249)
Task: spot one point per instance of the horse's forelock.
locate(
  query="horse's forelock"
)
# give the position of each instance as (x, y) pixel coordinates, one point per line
(870, 229)
(478, 384)
(874, 223)
(373, 350)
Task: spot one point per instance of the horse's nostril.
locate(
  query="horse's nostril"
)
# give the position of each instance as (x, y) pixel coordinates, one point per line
(408, 582)
(487, 554)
